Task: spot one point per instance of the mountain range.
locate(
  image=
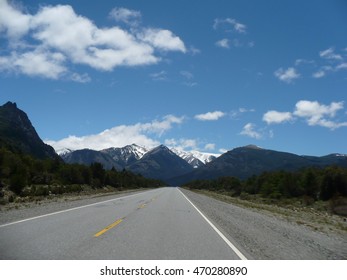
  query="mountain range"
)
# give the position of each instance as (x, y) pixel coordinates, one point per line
(158, 163)
(170, 165)
(244, 162)
(176, 167)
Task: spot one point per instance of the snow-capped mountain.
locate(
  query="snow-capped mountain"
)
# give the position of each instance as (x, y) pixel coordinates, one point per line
(195, 158)
(131, 153)
(126, 155)
(160, 163)
(63, 151)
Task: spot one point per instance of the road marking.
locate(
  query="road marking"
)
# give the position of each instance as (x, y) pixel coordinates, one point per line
(227, 241)
(108, 228)
(68, 210)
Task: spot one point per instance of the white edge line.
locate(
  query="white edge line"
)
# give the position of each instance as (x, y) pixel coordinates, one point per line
(227, 241)
(67, 210)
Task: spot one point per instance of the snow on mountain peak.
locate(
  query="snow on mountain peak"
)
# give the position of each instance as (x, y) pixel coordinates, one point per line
(63, 151)
(195, 158)
(133, 152)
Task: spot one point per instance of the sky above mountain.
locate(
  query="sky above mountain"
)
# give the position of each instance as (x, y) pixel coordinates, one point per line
(197, 75)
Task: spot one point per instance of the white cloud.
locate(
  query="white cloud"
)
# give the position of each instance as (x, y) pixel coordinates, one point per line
(120, 136)
(302, 61)
(271, 117)
(210, 147)
(223, 151)
(318, 74)
(210, 116)
(318, 114)
(314, 113)
(127, 16)
(188, 75)
(341, 66)
(249, 130)
(194, 51)
(245, 110)
(287, 75)
(80, 78)
(236, 26)
(59, 30)
(224, 43)
(188, 78)
(159, 76)
(162, 39)
(234, 114)
(13, 21)
(182, 144)
(330, 54)
(35, 63)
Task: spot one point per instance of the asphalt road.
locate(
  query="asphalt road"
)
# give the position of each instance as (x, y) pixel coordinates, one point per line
(155, 224)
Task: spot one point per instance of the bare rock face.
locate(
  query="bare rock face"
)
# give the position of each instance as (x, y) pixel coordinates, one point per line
(18, 134)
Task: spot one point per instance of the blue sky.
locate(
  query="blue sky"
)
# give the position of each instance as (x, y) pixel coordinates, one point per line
(196, 75)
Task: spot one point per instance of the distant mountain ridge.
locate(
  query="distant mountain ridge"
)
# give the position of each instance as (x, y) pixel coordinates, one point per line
(244, 162)
(160, 163)
(126, 155)
(129, 154)
(177, 167)
(87, 157)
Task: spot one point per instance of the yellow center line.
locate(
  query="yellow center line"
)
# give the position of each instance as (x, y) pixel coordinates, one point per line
(108, 227)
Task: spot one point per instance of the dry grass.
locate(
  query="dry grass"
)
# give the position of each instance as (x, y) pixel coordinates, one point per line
(30, 201)
(316, 216)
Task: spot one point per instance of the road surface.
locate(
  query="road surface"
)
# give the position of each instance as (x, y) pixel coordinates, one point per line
(156, 224)
(165, 223)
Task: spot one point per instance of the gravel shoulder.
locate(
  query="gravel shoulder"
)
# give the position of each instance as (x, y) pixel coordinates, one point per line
(19, 211)
(262, 235)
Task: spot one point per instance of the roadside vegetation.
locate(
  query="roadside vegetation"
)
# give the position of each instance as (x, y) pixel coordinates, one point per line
(321, 189)
(25, 178)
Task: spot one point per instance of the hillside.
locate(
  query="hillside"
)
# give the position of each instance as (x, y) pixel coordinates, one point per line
(18, 134)
(244, 162)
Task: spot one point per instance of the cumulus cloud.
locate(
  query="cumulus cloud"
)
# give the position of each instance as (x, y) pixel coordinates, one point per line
(210, 116)
(162, 39)
(272, 117)
(13, 21)
(39, 62)
(319, 114)
(249, 130)
(120, 136)
(313, 112)
(287, 75)
(60, 38)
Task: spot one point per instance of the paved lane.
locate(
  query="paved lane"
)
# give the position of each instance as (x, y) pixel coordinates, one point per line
(155, 224)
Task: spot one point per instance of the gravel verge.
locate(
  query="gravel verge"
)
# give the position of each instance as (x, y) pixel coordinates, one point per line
(19, 211)
(264, 236)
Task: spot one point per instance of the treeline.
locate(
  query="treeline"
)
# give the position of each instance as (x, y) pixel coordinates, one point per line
(22, 174)
(314, 183)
